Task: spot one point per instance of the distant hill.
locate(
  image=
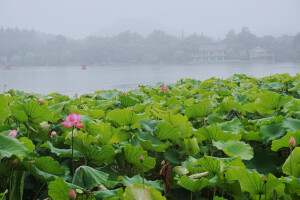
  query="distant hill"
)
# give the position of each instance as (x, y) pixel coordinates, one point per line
(141, 27)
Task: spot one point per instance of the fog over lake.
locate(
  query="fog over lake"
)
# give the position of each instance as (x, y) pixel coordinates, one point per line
(72, 79)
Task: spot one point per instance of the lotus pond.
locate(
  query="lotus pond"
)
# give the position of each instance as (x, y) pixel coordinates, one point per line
(215, 139)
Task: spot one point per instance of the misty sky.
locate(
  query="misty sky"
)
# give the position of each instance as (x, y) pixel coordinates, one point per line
(81, 18)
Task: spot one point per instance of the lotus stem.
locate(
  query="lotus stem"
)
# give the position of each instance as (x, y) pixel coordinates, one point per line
(72, 151)
(215, 191)
(191, 196)
(265, 191)
(291, 162)
(143, 173)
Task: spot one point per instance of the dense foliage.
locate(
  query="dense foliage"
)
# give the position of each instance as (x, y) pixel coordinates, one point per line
(212, 139)
(33, 48)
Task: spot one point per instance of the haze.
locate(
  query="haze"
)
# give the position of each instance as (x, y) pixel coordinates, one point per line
(82, 18)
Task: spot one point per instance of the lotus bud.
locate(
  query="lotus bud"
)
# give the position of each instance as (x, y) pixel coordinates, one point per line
(13, 133)
(141, 158)
(265, 180)
(40, 101)
(292, 142)
(206, 119)
(53, 133)
(163, 162)
(16, 161)
(72, 195)
(124, 93)
(151, 118)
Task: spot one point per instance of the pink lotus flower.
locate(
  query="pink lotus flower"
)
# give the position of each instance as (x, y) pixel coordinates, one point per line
(53, 133)
(163, 88)
(292, 142)
(72, 194)
(16, 161)
(73, 120)
(13, 133)
(124, 93)
(40, 101)
(265, 179)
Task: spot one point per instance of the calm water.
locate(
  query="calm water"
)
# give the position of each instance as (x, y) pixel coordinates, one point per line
(71, 79)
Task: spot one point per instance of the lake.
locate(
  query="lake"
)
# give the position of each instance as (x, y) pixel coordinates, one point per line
(72, 79)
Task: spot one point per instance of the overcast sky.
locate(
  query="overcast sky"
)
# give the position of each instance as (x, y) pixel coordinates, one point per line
(81, 18)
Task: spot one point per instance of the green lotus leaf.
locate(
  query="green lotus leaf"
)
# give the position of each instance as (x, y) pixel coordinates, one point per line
(59, 190)
(126, 117)
(36, 113)
(270, 101)
(271, 132)
(235, 148)
(44, 168)
(3, 101)
(180, 122)
(109, 194)
(233, 126)
(149, 125)
(263, 161)
(138, 191)
(88, 177)
(201, 109)
(132, 155)
(284, 142)
(291, 124)
(128, 101)
(194, 185)
(292, 163)
(231, 161)
(58, 106)
(172, 156)
(228, 104)
(82, 139)
(209, 164)
(28, 143)
(62, 153)
(11, 146)
(191, 145)
(292, 184)
(213, 133)
(120, 137)
(108, 95)
(166, 131)
(104, 155)
(253, 182)
(97, 114)
(148, 142)
(126, 181)
(4, 114)
(251, 136)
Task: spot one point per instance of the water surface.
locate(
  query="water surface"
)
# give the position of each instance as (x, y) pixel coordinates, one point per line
(72, 79)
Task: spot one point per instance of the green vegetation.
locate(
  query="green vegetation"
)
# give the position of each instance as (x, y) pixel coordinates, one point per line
(215, 139)
(33, 48)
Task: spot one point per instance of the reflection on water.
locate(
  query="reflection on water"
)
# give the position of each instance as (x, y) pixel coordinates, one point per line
(72, 79)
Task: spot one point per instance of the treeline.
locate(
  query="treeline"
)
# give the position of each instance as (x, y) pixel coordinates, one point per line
(26, 47)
